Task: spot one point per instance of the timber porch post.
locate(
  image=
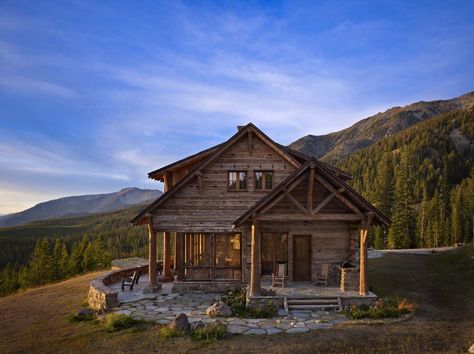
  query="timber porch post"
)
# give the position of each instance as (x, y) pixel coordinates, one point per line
(363, 280)
(255, 260)
(167, 255)
(153, 285)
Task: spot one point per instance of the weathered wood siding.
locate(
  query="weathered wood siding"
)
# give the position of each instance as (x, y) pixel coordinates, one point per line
(215, 209)
(332, 242)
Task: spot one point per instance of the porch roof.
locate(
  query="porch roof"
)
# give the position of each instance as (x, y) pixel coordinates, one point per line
(354, 197)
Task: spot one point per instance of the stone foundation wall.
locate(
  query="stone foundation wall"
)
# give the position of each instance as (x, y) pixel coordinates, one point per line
(100, 296)
(204, 286)
(349, 279)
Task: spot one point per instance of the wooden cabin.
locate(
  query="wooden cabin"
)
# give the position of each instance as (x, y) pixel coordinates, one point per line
(237, 210)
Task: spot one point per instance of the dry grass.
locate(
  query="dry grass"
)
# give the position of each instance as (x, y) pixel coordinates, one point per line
(443, 286)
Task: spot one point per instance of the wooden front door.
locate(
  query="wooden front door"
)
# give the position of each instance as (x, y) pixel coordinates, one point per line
(302, 257)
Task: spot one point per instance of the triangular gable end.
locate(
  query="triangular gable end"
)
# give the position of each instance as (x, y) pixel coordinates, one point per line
(251, 131)
(312, 193)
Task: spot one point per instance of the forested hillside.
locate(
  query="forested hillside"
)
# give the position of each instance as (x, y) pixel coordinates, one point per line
(423, 178)
(337, 146)
(43, 252)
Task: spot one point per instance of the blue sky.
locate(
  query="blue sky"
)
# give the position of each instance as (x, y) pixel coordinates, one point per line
(93, 95)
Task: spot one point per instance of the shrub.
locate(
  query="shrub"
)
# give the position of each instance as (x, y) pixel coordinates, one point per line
(381, 309)
(236, 299)
(118, 321)
(211, 332)
(168, 332)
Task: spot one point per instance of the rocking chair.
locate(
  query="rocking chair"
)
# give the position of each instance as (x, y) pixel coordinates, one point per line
(130, 281)
(323, 275)
(279, 279)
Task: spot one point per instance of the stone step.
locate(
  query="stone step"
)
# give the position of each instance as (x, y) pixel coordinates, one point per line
(311, 301)
(312, 307)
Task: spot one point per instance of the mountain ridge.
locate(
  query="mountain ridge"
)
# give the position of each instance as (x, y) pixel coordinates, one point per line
(336, 146)
(81, 205)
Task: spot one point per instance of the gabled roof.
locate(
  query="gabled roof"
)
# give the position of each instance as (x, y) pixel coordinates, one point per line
(301, 157)
(350, 193)
(220, 149)
(158, 174)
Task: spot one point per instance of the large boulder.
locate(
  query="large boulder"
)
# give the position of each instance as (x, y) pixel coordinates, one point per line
(181, 323)
(471, 349)
(219, 309)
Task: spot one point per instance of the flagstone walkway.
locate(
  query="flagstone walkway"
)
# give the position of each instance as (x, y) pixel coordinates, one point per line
(165, 307)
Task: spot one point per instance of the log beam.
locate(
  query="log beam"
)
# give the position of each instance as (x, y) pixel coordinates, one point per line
(309, 197)
(167, 255)
(250, 141)
(255, 260)
(179, 261)
(317, 217)
(326, 201)
(153, 285)
(341, 198)
(363, 280)
(296, 203)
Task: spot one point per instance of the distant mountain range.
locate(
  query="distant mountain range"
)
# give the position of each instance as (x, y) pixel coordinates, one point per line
(81, 205)
(336, 146)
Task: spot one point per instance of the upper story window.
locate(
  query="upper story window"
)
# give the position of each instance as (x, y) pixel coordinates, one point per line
(263, 180)
(237, 181)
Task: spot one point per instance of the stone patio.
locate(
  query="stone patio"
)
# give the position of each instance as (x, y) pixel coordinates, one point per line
(163, 307)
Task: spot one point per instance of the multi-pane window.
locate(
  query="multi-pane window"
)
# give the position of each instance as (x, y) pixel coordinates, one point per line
(263, 180)
(237, 181)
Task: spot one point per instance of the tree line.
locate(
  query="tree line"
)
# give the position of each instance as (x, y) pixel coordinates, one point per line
(53, 262)
(423, 179)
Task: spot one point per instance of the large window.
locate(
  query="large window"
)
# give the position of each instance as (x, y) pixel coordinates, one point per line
(212, 256)
(274, 251)
(237, 181)
(263, 180)
(227, 250)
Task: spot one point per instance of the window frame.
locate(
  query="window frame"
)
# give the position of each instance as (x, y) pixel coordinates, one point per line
(264, 180)
(237, 182)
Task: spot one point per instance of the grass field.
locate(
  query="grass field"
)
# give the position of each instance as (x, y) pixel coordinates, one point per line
(442, 286)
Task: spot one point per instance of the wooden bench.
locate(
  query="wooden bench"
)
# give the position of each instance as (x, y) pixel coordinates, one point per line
(130, 281)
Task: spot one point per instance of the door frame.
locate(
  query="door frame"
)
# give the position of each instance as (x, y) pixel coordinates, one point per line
(308, 236)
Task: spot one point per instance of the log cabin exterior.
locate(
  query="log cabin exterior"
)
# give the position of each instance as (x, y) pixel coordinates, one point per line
(239, 208)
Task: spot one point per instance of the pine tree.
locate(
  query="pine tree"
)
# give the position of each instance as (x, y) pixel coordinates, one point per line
(457, 215)
(402, 231)
(423, 222)
(39, 270)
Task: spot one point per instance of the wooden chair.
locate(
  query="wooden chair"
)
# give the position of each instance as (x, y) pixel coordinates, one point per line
(279, 279)
(323, 275)
(130, 281)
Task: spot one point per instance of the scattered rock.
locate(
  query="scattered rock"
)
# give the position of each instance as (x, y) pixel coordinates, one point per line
(197, 325)
(219, 309)
(181, 323)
